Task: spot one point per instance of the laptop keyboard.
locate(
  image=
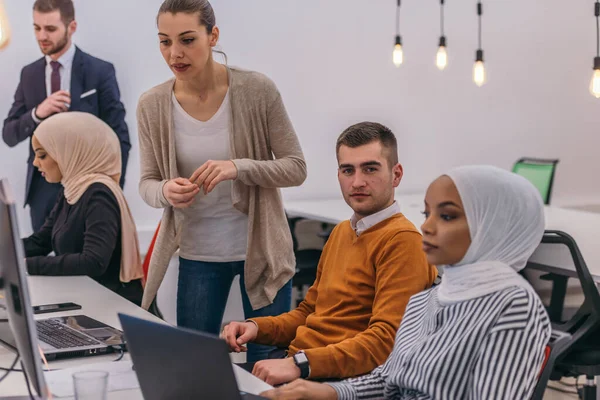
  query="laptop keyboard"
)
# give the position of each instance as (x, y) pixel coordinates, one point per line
(61, 336)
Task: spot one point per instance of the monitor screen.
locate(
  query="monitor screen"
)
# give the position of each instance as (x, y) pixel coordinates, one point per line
(18, 303)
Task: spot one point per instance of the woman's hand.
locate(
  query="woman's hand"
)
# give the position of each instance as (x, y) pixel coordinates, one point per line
(302, 390)
(212, 173)
(180, 192)
(237, 334)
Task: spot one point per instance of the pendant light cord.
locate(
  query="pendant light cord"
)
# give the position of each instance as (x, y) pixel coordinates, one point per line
(597, 14)
(442, 17)
(398, 19)
(479, 12)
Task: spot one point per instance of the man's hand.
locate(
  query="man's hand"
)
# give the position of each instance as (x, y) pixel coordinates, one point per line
(180, 193)
(276, 372)
(237, 334)
(302, 390)
(57, 102)
(213, 172)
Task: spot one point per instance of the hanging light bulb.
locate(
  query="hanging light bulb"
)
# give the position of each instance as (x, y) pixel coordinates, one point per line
(441, 58)
(4, 28)
(595, 83)
(398, 53)
(479, 69)
(479, 75)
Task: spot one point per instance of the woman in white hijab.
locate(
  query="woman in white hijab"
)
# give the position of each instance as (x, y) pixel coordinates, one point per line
(481, 333)
(90, 230)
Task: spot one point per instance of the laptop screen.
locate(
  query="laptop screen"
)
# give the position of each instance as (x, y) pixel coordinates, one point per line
(16, 291)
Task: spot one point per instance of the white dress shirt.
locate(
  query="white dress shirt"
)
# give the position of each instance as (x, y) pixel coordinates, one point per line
(366, 222)
(66, 66)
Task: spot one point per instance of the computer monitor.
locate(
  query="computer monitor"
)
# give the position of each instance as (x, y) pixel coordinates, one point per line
(16, 291)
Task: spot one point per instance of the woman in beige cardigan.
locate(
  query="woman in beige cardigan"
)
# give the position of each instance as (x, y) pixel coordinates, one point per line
(216, 145)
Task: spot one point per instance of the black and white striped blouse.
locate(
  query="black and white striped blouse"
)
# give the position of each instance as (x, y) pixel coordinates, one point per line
(490, 347)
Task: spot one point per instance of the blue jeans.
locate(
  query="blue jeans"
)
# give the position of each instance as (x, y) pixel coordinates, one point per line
(202, 292)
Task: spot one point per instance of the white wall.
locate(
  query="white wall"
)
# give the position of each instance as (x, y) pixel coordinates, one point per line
(332, 62)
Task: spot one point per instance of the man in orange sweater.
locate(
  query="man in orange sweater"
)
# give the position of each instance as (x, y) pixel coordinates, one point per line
(370, 266)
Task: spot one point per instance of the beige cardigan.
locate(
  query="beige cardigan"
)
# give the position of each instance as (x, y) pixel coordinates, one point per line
(267, 154)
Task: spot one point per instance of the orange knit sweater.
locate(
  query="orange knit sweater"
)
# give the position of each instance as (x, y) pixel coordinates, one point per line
(349, 318)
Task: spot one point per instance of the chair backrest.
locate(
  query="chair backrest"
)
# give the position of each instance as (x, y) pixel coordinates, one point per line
(553, 275)
(146, 262)
(292, 221)
(554, 349)
(547, 352)
(540, 172)
(145, 265)
(307, 242)
(586, 318)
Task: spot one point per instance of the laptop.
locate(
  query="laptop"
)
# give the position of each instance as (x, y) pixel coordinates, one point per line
(59, 337)
(177, 363)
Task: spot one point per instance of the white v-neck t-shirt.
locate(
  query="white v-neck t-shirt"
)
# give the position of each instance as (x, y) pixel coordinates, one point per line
(213, 230)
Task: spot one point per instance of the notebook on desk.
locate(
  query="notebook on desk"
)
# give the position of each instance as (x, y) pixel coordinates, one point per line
(176, 363)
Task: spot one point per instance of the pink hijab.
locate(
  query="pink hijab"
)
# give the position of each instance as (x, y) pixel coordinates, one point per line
(87, 151)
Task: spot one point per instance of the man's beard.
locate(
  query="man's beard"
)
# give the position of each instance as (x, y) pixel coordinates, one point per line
(60, 46)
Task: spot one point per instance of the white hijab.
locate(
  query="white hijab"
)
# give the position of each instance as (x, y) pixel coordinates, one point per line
(505, 214)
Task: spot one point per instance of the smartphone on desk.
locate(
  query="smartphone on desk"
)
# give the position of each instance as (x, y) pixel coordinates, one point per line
(51, 308)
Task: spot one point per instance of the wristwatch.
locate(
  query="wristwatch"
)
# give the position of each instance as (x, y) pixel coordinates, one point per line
(301, 361)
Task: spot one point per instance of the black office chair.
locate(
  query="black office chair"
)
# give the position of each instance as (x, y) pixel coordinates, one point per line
(540, 172)
(584, 359)
(554, 349)
(307, 261)
(154, 310)
(581, 354)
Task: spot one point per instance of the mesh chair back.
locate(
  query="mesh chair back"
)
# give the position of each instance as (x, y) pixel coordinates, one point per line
(539, 172)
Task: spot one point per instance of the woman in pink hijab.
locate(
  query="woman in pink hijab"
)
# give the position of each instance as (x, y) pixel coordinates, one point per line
(90, 230)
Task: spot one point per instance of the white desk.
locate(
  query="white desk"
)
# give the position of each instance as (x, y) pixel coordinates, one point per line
(583, 226)
(96, 301)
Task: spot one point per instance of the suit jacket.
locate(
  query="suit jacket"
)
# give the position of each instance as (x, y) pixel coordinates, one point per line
(88, 73)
